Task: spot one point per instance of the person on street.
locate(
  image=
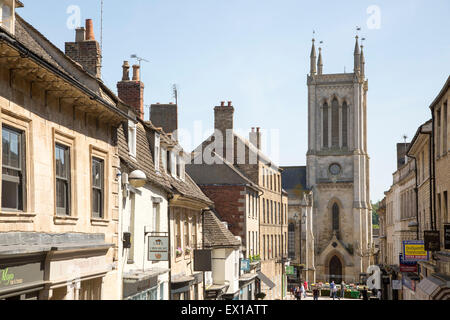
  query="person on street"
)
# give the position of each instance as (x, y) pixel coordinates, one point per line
(298, 294)
(316, 293)
(303, 291)
(343, 290)
(332, 285)
(379, 294)
(364, 294)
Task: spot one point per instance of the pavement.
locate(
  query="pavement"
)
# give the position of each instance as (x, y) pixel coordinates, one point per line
(309, 296)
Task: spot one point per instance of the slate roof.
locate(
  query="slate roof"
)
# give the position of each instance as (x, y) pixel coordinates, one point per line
(144, 161)
(216, 233)
(293, 177)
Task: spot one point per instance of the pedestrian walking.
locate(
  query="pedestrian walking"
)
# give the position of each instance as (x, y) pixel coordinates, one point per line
(303, 291)
(316, 293)
(343, 290)
(364, 294)
(298, 294)
(379, 294)
(332, 286)
(306, 285)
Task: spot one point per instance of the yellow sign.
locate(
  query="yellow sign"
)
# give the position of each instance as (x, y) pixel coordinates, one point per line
(415, 250)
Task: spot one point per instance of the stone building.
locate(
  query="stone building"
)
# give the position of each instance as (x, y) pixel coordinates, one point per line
(338, 170)
(430, 149)
(300, 229)
(402, 215)
(59, 189)
(245, 186)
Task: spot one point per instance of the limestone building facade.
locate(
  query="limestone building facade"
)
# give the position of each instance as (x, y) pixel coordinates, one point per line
(338, 169)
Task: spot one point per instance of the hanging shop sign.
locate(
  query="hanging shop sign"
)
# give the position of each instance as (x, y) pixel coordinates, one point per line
(158, 248)
(432, 240)
(407, 266)
(290, 270)
(447, 236)
(414, 250)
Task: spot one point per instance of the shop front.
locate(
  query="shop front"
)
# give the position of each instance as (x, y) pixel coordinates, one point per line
(247, 286)
(22, 278)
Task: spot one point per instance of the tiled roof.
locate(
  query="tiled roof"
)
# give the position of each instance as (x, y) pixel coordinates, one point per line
(144, 161)
(216, 233)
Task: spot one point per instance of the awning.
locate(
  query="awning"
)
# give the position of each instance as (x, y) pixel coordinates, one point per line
(434, 287)
(265, 279)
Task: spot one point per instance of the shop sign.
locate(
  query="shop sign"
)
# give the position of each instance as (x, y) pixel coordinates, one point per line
(16, 275)
(202, 260)
(414, 250)
(290, 270)
(158, 248)
(447, 236)
(407, 266)
(432, 240)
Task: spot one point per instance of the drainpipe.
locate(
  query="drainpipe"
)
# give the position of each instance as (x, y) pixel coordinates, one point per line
(169, 197)
(432, 161)
(430, 173)
(203, 247)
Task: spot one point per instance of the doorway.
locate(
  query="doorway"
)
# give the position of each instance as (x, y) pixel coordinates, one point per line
(335, 270)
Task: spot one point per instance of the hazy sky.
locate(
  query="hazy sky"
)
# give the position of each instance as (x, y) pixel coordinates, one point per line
(256, 53)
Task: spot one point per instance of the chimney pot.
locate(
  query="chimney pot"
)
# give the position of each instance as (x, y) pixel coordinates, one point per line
(257, 129)
(126, 71)
(229, 103)
(80, 34)
(90, 30)
(136, 74)
(222, 103)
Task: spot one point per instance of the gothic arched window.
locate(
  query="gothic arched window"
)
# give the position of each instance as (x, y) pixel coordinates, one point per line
(335, 123)
(335, 212)
(344, 124)
(325, 125)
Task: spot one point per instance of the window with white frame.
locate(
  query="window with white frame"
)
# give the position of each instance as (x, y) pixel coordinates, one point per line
(164, 158)
(132, 138)
(157, 154)
(156, 217)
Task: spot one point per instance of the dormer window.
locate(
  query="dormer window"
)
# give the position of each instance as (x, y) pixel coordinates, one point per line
(173, 164)
(132, 138)
(7, 8)
(157, 154)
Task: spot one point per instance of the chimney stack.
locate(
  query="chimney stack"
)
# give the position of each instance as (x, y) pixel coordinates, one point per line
(132, 91)
(86, 50)
(255, 138)
(166, 117)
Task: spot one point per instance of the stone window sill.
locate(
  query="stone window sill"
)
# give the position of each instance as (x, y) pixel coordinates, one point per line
(16, 216)
(99, 222)
(65, 220)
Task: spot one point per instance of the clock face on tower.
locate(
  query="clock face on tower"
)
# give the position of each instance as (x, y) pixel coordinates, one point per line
(335, 169)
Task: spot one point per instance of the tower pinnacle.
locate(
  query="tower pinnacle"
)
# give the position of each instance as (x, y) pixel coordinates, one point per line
(357, 55)
(313, 58)
(320, 62)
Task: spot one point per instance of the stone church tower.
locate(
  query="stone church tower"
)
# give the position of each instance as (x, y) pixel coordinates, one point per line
(338, 170)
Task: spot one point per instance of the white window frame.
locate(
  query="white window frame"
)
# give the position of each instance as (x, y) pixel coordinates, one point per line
(132, 138)
(157, 152)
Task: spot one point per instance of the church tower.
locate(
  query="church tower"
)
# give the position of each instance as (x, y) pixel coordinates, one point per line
(338, 169)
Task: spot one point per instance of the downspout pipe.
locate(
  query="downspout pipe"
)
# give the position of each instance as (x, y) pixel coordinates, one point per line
(416, 190)
(432, 162)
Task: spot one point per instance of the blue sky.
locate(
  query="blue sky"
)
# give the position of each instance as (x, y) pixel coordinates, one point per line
(256, 53)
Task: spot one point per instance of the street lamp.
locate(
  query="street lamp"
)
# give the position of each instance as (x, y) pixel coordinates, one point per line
(137, 178)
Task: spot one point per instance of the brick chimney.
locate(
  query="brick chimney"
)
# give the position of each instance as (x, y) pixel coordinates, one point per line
(255, 138)
(132, 91)
(86, 50)
(401, 154)
(166, 117)
(223, 117)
